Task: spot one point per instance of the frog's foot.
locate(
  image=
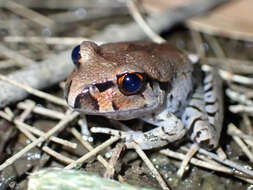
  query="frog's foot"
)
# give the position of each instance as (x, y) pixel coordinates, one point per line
(204, 135)
(166, 132)
(130, 136)
(157, 137)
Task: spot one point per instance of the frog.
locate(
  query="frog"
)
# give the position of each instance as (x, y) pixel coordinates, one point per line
(156, 83)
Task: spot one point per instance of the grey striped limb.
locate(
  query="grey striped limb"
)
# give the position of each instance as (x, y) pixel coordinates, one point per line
(169, 129)
(204, 114)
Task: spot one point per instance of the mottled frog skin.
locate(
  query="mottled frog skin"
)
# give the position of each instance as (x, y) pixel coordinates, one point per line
(153, 82)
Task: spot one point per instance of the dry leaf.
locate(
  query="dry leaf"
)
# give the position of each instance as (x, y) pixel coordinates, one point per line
(233, 20)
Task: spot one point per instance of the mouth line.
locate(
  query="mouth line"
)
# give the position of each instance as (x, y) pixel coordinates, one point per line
(125, 114)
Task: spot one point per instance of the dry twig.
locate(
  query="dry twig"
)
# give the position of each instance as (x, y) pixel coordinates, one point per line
(43, 111)
(132, 5)
(240, 143)
(28, 13)
(59, 126)
(70, 41)
(209, 165)
(35, 92)
(114, 158)
(15, 56)
(92, 152)
(149, 165)
(89, 147)
(194, 148)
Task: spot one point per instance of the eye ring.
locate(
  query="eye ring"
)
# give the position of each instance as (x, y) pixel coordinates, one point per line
(75, 55)
(131, 83)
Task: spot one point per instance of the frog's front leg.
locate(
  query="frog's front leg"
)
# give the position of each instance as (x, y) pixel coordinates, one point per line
(169, 129)
(203, 115)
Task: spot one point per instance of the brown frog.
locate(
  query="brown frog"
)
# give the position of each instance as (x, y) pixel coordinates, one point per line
(153, 82)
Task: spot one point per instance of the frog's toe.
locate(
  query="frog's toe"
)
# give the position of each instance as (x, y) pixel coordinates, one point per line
(205, 139)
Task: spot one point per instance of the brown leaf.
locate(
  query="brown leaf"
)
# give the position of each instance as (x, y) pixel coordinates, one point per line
(233, 20)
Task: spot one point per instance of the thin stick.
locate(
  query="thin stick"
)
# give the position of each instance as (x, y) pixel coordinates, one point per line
(243, 147)
(92, 153)
(248, 124)
(142, 23)
(43, 111)
(59, 126)
(227, 162)
(113, 160)
(226, 75)
(41, 133)
(57, 155)
(63, 5)
(234, 131)
(5, 116)
(27, 133)
(197, 40)
(149, 165)
(89, 147)
(196, 161)
(70, 41)
(215, 46)
(29, 107)
(241, 108)
(205, 158)
(35, 92)
(238, 97)
(29, 14)
(44, 148)
(208, 165)
(229, 64)
(190, 153)
(17, 57)
(247, 91)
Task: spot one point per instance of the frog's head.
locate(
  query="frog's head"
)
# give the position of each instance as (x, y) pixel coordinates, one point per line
(119, 80)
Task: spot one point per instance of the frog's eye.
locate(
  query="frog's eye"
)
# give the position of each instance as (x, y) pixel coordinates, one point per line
(130, 83)
(75, 55)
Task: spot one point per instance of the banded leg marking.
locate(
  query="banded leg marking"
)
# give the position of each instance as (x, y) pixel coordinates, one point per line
(202, 115)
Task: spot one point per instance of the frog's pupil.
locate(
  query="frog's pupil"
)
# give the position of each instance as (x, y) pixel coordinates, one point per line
(75, 54)
(131, 83)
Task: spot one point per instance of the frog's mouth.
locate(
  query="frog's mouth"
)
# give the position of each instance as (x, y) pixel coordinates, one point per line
(124, 114)
(112, 104)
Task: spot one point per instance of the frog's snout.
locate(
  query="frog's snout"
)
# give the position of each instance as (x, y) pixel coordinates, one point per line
(78, 99)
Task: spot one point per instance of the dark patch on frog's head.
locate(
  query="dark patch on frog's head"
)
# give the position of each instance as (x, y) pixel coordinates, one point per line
(86, 100)
(104, 86)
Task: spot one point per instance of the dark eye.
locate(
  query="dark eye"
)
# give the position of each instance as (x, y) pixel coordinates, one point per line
(76, 55)
(130, 83)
